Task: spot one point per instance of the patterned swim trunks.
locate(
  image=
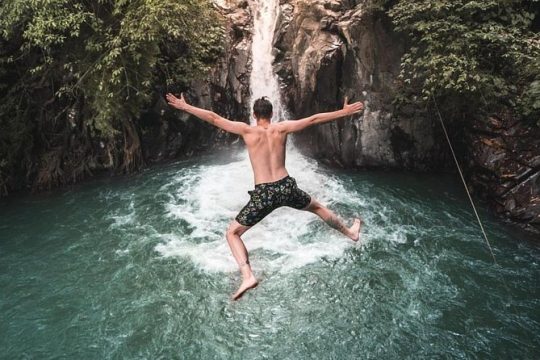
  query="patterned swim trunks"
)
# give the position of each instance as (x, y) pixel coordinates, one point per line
(267, 197)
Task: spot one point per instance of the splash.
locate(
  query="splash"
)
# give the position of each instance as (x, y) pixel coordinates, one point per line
(209, 197)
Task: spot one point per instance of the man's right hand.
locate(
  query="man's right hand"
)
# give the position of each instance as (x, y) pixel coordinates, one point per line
(352, 108)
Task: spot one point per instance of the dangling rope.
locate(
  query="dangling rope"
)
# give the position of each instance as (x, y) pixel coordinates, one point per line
(463, 180)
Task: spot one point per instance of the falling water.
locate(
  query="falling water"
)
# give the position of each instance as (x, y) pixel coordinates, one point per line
(263, 80)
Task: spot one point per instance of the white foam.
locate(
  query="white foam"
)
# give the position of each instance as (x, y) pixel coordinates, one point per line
(286, 239)
(209, 197)
(126, 219)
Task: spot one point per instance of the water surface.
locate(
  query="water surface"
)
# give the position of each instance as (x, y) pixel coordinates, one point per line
(139, 267)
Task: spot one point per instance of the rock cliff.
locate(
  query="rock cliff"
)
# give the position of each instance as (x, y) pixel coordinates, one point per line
(326, 50)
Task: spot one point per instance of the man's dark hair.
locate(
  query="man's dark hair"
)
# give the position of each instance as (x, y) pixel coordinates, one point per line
(262, 108)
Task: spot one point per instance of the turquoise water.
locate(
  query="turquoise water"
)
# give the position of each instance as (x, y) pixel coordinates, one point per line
(138, 267)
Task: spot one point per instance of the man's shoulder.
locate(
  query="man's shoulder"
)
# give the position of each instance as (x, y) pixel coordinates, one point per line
(281, 126)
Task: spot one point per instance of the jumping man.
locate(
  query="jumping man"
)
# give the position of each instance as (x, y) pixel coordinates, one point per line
(273, 185)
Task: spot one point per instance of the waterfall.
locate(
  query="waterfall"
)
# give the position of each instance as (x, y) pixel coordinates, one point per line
(208, 197)
(263, 80)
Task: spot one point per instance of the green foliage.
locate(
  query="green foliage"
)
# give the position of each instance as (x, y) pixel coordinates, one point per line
(103, 59)
(111, 51)
(483, 52)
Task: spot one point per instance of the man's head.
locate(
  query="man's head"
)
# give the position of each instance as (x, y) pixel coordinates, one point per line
(262, 109)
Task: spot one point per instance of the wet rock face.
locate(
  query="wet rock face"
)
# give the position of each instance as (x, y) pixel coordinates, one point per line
(169, 134)
(505, 167)
(326, 50)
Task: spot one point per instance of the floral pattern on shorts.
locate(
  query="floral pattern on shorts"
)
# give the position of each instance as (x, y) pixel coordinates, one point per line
(267, 197)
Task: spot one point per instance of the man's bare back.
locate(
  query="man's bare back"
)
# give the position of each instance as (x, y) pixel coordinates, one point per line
(266, 149)
(266, 144)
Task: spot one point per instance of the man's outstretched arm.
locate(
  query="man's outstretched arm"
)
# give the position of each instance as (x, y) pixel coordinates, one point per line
(297, 125)
(211, 117)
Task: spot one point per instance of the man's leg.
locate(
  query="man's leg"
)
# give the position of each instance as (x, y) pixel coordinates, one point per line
(332, 220)
(239, 251)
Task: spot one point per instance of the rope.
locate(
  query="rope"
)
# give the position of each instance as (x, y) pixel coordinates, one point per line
(463, 180)
(509, 303)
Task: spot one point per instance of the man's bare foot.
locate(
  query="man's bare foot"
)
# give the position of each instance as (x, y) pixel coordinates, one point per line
(355, 229)
(248, 283)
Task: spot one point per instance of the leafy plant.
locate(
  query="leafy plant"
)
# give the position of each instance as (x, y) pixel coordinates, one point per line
(481, 53)
(93, 65)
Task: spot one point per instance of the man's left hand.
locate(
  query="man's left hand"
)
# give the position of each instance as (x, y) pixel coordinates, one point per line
(175, 102)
